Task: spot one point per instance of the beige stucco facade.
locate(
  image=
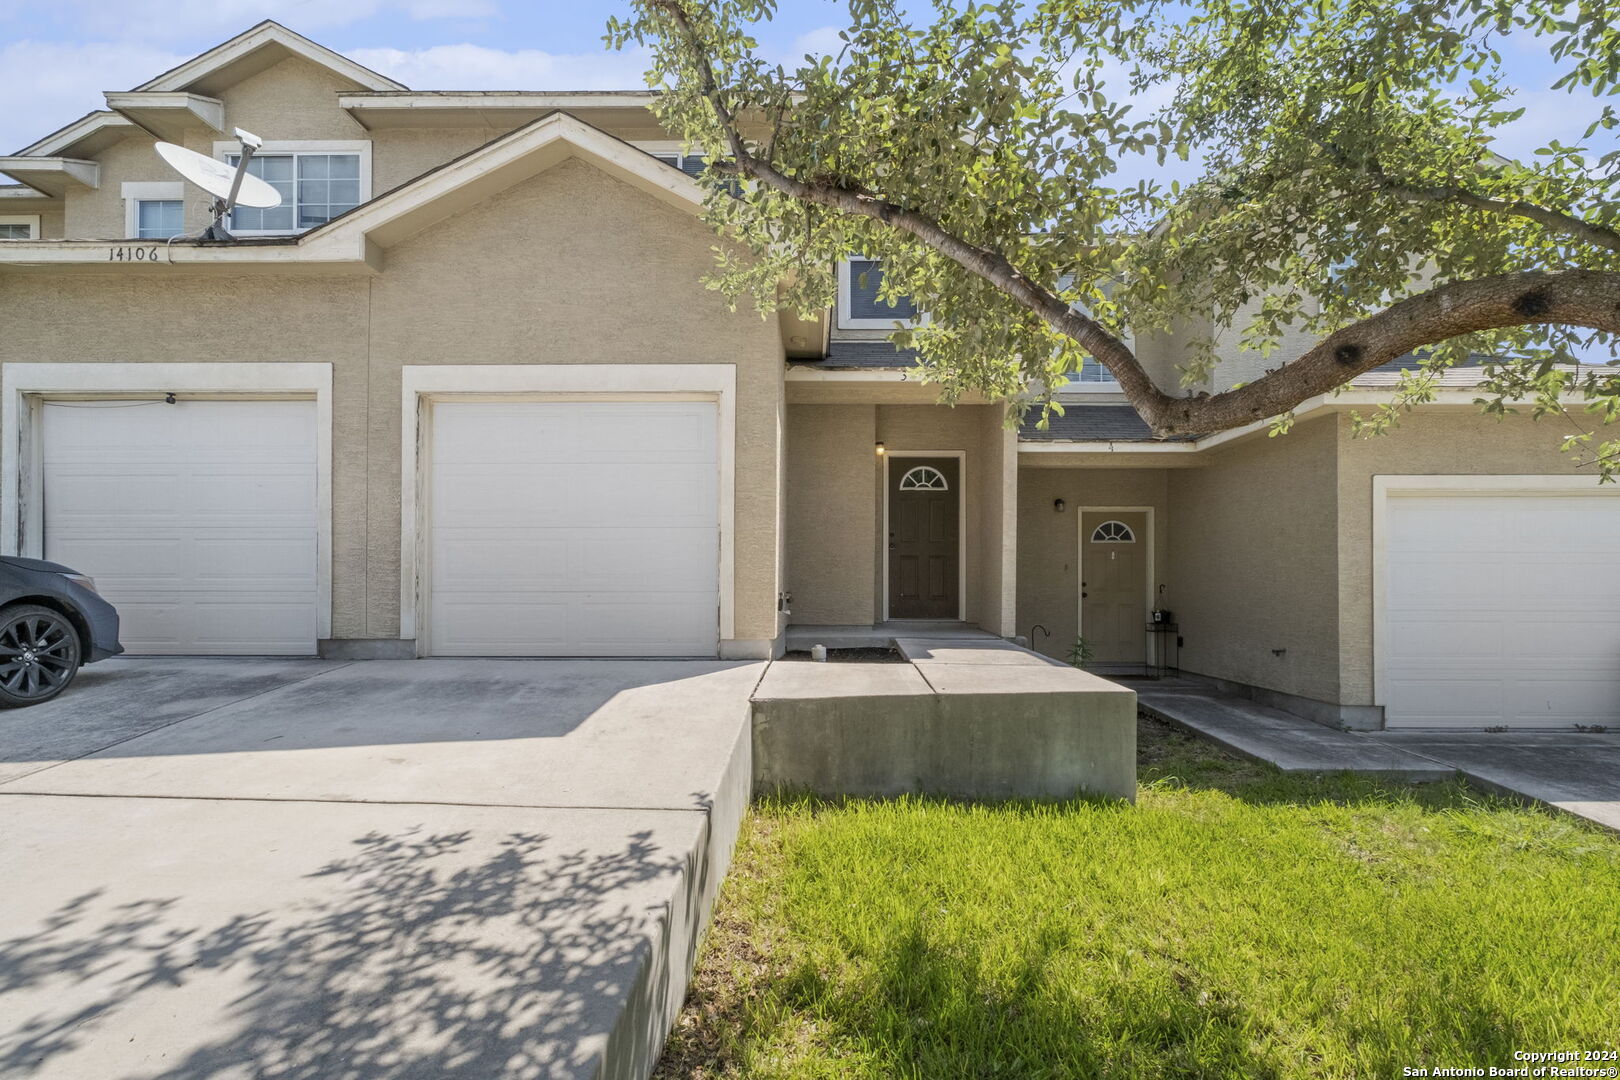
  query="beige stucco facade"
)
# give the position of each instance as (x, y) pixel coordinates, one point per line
(836, 535)
(523, 240)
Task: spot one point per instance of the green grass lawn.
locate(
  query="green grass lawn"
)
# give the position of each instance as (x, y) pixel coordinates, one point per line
(1233, 923)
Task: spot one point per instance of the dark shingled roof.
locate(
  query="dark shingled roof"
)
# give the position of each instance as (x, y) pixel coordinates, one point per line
(1089, 423)
(862, 354)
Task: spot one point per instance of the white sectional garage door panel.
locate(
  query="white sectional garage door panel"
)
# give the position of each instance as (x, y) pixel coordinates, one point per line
(197, 520)
(1501, 610)
(574, 529)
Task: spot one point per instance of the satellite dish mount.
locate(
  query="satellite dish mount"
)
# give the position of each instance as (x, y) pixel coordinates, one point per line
(229, 187)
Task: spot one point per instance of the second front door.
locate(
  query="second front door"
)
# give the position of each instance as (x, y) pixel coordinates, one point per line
(925, 556)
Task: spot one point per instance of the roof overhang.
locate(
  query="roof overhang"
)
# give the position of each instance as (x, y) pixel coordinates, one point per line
(54, 176)
(359, 239)
(167, 114)
(85, 137)
(1355, 398)
(494, 108)
(256, 50)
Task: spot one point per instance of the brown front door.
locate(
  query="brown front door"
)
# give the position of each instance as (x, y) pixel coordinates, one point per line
(1113, 585)
(924, 539)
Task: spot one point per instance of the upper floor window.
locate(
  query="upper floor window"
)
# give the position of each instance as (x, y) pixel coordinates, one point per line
(153, 209)
(317, 182)
(159, 219)
(690, 164)
(859, 308)
(1092, 376)
(19, 226)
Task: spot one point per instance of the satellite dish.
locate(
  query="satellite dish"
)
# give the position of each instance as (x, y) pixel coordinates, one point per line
(230, 187)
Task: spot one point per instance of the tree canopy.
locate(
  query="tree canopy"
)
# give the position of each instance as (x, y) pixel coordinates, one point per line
(1344, 191)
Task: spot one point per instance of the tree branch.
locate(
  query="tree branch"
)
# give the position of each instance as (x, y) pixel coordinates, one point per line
(1554, 220)
(1587, 298)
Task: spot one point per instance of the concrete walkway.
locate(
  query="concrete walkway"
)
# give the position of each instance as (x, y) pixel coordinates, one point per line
(1576, 772)
(305, 869)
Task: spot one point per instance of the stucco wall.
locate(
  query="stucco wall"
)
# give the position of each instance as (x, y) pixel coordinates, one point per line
(1254, 552)
(570, 267)
(832, 481)
(1453, 441)
(1049, 543)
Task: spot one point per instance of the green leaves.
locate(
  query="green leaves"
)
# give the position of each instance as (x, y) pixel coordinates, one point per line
(1345, 163)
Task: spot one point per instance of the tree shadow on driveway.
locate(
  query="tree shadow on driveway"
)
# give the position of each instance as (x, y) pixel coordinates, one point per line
(419, 954)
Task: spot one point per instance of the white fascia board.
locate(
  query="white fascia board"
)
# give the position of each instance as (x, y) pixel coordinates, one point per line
(497, 166)
(57, 142)
(267, 33)
(848, 375)
(494, 99)
(52, 175)
(165, 113)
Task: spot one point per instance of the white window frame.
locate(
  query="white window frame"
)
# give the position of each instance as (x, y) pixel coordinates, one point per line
(226, 149)
(136, 192)
(30, 220)
(671, 148)
(29, 385)
(846, 282)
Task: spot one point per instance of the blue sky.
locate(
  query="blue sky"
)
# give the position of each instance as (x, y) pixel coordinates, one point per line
(56, 56)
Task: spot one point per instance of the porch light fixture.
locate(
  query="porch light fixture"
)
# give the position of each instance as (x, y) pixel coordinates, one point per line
(880, 450)
(1059, 505)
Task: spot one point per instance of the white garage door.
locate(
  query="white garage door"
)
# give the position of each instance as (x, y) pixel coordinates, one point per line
(197, 520)
(1502, 610)
(574, 529)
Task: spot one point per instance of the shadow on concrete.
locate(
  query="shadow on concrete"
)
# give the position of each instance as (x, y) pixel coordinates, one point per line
(422, 963)
(134, 707)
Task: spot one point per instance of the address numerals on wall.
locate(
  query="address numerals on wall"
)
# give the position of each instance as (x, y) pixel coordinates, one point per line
(136, 253)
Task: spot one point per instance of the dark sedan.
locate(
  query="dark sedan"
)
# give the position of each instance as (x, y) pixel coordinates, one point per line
(52, 620)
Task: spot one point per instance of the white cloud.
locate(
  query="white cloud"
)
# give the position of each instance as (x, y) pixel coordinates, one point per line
(476, 67)
(822, 41)
(47, 84)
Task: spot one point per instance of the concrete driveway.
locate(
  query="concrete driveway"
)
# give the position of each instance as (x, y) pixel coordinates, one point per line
(308, 869)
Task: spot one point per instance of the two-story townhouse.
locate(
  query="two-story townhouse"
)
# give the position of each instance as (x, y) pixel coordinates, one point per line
(465, 393)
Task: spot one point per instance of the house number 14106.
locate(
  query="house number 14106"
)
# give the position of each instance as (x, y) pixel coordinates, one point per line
(132, 254)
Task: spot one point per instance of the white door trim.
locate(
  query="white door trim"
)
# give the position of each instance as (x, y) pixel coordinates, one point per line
(422, 384)
(28, 385)
(1150, 573)
(961, 522)
(1385, 488)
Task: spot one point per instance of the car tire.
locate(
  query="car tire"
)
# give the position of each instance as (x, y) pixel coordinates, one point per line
(39, 654)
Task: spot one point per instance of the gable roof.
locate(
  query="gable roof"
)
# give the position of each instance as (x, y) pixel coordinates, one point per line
(251, 51)
(357, 239)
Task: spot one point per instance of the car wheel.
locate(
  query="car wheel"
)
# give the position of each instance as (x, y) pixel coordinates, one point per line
(39, 654)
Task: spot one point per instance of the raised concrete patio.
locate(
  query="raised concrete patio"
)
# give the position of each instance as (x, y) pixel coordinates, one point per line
(309, 869)
(967, 717)
(1575, 772)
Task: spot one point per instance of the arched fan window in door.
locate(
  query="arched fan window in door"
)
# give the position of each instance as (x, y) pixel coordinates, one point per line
(924, 478)
(1113, 532)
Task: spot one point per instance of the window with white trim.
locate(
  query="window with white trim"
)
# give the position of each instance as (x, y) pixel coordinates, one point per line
(19, 226)
(153, 209)
(159, 219)
(860, 281)
(317, 182)
(1113, 532)
(924, 478)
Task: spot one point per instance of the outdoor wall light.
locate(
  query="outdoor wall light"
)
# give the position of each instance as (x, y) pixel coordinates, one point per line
(1059, 505)
(880, 450)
